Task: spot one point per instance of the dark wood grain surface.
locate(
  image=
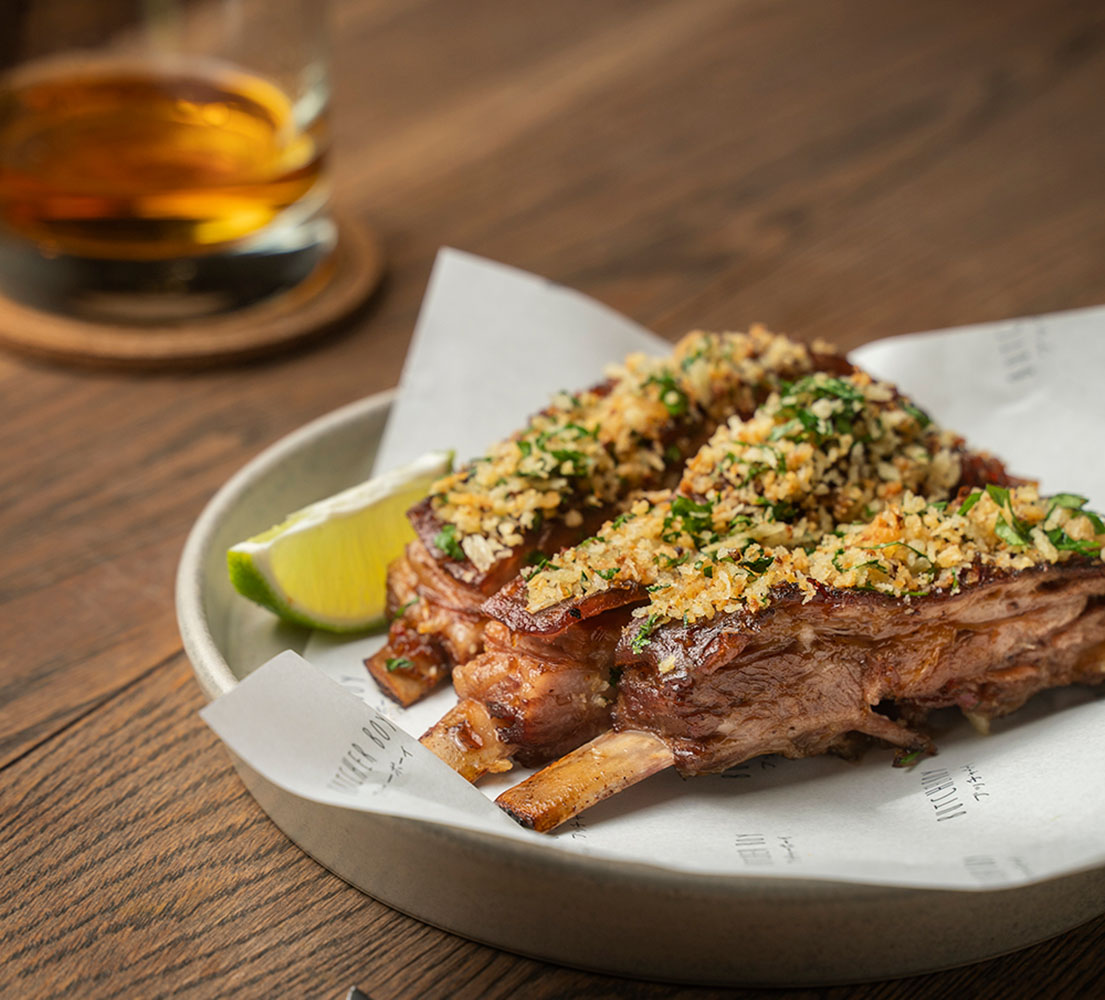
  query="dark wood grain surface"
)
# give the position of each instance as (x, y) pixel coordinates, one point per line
(847, 170)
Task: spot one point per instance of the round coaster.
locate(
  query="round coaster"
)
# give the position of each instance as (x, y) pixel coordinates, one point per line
(326, 297)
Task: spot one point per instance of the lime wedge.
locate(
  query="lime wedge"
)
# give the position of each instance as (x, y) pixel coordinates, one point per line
(325, 565)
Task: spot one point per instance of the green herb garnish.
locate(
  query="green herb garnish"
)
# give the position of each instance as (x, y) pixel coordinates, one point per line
(446, 541)
(999, 494)
(1011, 533)
(969, 502)
(1061, 540)
(904, 545)
(642, 637)
(922, 418)
(1072, 501)
(689, 517)
(674, 399)
(905, 759)
(758, 565)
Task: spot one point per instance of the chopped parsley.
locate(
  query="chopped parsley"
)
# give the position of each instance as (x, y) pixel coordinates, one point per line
(641, 639)
(1062, 541)
(689, 517)
(758, 566)
(907, 758)
(922, 418)
(446, 541)
(904, 545)
(967, 504)
(580, 463)
(999, 494)
(690, 359)
(1010, 533)
(674, 399)
(1072, 501)
(800, 423)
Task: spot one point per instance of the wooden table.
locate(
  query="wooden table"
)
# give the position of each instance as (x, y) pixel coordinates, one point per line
(844, 170)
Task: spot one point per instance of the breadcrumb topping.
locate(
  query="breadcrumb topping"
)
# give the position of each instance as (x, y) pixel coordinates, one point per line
(916, 548)
(838, 482)
(825, 450)
(591, 449)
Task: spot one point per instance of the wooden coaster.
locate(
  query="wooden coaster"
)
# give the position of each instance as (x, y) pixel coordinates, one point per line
(326, 297)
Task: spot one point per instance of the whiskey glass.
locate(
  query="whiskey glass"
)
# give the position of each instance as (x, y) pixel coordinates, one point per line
(161, 160)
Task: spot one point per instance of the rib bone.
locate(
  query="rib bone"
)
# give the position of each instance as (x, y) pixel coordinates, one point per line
(585, 777)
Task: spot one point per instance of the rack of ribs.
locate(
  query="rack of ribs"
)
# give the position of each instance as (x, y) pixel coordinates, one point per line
(576, 464)
(978, 605)
(828, 450)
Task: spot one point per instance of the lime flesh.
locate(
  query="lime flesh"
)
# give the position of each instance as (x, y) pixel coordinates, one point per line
(325, 566)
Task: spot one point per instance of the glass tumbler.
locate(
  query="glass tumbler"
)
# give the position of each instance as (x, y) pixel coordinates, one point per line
(161, 160)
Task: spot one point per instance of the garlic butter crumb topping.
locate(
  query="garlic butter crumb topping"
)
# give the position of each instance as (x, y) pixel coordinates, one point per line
(835, 482)
(589, 449)
(826, 449)
(916, 548)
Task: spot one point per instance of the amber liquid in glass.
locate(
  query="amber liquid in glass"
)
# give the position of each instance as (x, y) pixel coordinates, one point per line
(130, 165)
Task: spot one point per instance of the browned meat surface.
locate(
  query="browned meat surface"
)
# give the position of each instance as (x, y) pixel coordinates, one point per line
(546, 694)
(541, 694)
(549, 538)
(794, 676)
(875, 605)
(467, 739)
(437, 622)
(802, 679)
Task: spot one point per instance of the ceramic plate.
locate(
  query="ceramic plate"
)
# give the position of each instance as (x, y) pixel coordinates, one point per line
(614, 917)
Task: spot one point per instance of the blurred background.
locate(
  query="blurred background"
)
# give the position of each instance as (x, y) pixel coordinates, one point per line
(824, 167)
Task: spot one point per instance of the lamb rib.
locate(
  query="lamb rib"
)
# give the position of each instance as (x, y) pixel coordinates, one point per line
(545, 678)
(801, 673)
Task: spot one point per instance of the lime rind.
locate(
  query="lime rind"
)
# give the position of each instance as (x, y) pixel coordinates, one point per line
(324, 565)
(254, 585)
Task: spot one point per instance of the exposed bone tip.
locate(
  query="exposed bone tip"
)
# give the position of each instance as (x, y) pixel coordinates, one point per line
(521, 818)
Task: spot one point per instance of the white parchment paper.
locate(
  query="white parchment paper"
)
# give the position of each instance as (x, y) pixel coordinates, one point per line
(1024, 804)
